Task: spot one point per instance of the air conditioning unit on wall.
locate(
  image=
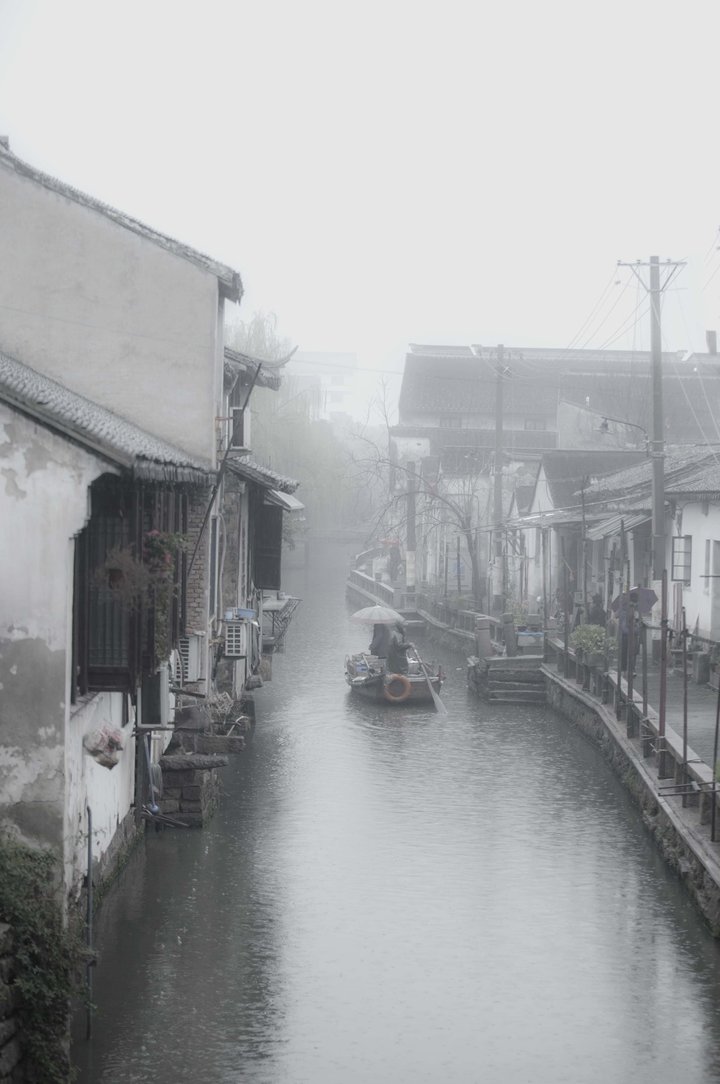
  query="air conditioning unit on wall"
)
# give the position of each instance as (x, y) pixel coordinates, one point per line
(235, 638)
(190, 659)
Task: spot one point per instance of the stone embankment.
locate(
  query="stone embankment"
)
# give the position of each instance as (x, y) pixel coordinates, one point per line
(676, 802)
(671, 785)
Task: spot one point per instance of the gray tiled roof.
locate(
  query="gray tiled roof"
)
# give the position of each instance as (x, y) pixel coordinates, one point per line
(455, 381)
(230, 281)
(238, 364)
(566, 471)
(251, 471)
(680, 465)
(97, 428)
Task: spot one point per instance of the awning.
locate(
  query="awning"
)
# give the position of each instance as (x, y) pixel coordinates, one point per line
(612, 526)
(284, 500)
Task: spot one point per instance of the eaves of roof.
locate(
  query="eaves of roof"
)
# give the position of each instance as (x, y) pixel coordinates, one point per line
(229, 280)
(286, 501)
(250, 471)
(535, 441)
(679, 467)
(238, 365)
(557, 517)
(612, 525)
(97, 429)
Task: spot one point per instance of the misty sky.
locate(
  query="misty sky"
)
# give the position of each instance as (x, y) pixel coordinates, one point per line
(385, 173)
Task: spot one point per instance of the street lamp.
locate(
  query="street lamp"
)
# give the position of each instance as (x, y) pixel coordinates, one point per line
(604, 427)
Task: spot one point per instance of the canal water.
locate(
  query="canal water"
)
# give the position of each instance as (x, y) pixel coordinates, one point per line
(392, 896)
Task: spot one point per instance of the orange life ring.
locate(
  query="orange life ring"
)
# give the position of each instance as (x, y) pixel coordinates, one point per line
(403, 694)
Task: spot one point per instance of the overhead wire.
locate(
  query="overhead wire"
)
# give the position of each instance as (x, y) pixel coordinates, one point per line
(681, 381)
(595, 308)
(711, 410)
(608, 314)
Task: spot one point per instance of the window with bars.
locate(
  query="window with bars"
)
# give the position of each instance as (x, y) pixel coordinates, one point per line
(682, 558)
(113, 643)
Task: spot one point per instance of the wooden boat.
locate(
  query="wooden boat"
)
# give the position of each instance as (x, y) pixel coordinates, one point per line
(367, 676)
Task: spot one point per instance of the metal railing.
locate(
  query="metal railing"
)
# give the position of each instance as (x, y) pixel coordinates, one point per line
(680, 771)
(383, 592)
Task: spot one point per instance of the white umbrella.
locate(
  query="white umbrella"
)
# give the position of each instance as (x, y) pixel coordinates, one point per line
(377, 615)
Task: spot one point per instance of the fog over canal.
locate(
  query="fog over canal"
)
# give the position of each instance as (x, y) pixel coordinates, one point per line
(388, 895)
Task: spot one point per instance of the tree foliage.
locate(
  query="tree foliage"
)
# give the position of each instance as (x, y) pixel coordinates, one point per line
(289, 436)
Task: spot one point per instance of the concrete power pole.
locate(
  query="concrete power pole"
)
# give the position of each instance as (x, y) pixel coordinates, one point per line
(498, 572)
(411, 535)
(657, 444)
(658, 436)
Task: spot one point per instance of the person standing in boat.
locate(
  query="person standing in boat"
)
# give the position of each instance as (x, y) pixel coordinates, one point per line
(380, 641)
(397, 651)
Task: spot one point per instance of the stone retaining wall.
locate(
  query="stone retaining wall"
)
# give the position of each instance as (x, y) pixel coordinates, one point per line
(191, 787)
(672, 828)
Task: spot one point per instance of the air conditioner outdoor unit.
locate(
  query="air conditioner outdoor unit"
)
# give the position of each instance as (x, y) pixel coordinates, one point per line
(191, 657)
(235, 639)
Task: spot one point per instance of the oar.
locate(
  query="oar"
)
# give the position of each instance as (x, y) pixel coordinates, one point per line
(439, 706)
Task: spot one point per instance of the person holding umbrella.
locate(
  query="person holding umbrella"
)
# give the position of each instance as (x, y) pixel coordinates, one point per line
(381, 618)
(397, 662)
(380, 641)
(642, 599)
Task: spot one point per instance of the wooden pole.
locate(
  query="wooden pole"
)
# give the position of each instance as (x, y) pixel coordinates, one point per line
(713, 812)
(685, 709)
(662, 707)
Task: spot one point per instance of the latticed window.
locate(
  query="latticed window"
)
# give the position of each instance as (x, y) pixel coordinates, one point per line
(114, 642)
(682, 558)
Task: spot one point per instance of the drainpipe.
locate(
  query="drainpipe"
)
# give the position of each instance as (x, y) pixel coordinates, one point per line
(89, 928)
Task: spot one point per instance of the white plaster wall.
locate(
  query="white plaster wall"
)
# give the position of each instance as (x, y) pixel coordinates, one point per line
(44, 502)
(697, 600)
(107, 791)
(110, 314)
(44, 482)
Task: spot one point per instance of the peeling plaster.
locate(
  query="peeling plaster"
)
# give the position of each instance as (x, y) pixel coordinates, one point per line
(11, 487)
(37, 456)
(32, 748)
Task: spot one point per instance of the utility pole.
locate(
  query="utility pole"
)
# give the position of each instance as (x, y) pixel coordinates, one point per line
(657, 454)
(498, 572)
(658, 437)
(411, 536)
(657, 444)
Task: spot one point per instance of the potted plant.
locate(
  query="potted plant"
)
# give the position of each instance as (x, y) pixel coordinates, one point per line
(588, 643)
(145, 582)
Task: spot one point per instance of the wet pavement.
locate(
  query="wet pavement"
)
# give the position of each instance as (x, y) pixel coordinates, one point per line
(702, 704)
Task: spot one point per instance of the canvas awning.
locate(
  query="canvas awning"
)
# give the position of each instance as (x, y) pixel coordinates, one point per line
(606, 528)
(284, 500)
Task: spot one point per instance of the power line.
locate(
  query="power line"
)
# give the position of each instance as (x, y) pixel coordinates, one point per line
(590, 316)
(608, 314)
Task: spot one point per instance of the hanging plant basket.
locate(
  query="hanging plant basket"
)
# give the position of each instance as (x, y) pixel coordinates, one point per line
(146, 583)
(126, 578)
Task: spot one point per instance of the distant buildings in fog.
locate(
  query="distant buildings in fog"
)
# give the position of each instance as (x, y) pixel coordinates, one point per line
(341, 390)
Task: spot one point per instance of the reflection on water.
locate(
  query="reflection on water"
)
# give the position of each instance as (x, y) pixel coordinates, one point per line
(389, 895)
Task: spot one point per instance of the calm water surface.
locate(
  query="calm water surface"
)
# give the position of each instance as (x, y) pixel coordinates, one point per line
(388, 895)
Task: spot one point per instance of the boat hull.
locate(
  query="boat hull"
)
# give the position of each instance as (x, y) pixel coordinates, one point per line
(368, 679)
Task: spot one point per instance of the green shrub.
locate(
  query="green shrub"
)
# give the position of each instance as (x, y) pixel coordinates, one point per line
(47, 955)
(588, 638)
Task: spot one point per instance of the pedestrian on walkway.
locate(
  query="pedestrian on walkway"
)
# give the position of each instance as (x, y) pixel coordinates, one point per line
(596, 613)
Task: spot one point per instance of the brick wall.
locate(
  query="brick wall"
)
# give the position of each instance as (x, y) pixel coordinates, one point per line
(198, 591)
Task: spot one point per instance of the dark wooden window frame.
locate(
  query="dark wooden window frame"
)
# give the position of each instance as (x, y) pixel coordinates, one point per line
(111, 647)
